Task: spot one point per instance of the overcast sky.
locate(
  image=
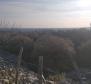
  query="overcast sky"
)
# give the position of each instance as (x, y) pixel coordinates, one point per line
(46, 13)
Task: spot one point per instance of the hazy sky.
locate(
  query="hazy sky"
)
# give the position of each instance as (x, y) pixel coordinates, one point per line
(46, 13)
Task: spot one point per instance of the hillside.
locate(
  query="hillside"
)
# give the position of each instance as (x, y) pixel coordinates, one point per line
(53, 44)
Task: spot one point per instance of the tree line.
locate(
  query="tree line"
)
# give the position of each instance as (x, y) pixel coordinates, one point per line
(54, 45)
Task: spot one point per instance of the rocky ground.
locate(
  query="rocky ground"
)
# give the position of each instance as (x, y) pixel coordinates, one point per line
(8, 73)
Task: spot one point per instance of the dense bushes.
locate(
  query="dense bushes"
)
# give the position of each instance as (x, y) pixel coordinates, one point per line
(55, 51)
(55, 46)
(84, 55)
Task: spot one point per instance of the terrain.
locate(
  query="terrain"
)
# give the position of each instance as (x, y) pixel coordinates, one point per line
(55, 45)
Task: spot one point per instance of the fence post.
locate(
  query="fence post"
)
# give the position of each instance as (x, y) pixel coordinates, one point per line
(18, 64)
(40, 69)
(76, 68)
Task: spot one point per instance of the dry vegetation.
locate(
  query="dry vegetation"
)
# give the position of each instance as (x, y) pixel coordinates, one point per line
(54, 46)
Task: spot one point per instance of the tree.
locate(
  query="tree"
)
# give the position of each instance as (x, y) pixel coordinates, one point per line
(16, 42)
(84, 55)
(55, 51)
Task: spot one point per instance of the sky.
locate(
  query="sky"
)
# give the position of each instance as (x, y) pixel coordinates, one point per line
(45, 13)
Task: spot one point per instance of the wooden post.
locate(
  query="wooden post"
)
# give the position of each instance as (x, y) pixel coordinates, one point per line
(76, 68)
(18, 64)
(40, 69)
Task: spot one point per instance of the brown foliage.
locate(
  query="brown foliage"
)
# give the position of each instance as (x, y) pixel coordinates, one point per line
(55, 51)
